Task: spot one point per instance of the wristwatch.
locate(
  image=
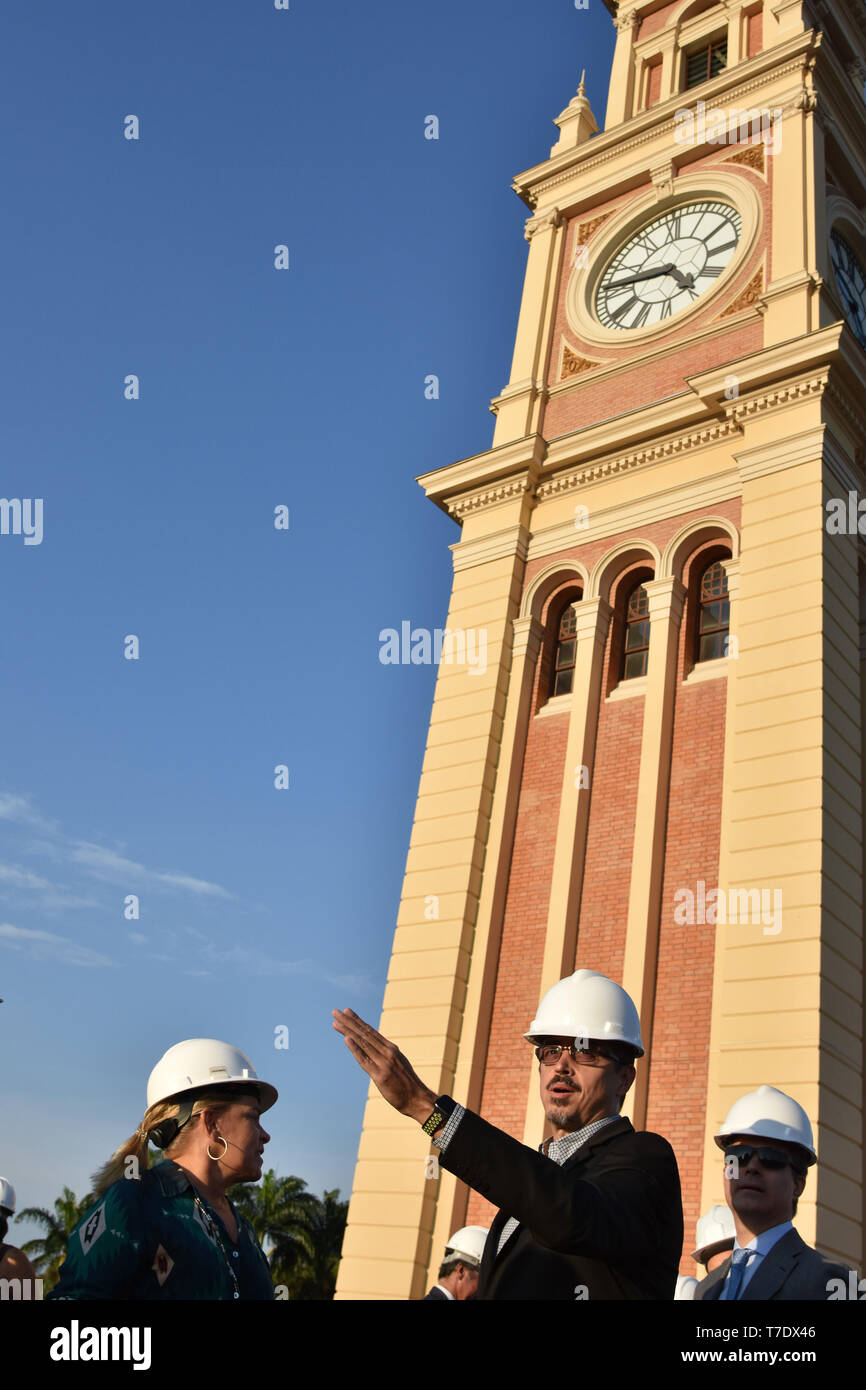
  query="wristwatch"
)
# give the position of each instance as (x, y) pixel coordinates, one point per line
(442, 1111)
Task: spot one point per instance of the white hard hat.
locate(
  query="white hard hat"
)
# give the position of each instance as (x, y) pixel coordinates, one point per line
(203, 1062)
(587, 1005)
(468, 1243)
(7, 1195)
(715, 1227)
(769, 1114)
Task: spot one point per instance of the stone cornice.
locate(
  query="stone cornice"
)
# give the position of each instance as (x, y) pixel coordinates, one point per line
(534, 184)
(506, 491)
(789, 393)
(656, 452)
(782, 364)
(484, 473)
(775, 378)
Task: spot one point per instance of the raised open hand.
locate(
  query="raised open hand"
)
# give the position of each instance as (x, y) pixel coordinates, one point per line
(386, 1066)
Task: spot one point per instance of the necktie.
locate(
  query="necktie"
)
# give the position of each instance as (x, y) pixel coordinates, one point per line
(739, 1260)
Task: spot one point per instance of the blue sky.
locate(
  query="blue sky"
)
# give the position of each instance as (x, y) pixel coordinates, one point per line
(258, 647)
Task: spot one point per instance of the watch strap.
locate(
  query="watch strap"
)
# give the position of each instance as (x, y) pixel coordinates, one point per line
(442, 1111)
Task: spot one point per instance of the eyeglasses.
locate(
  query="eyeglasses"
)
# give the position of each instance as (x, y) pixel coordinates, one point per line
(775, 1159)
(550, 1053)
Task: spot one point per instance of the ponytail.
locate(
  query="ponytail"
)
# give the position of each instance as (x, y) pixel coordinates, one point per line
(136, 1145)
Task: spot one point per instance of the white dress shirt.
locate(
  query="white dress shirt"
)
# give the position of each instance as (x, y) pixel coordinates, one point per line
(758, 1247)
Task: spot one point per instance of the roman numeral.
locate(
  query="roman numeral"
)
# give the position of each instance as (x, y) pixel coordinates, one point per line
(711, 271)
(618, 314)
(640, 318)
(728, 246)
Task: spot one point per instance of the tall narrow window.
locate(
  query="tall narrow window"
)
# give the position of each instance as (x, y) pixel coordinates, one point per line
(754, 32)
(653, 81)
(706, 62)
(714, 618)
(637, 634)
(566, 651)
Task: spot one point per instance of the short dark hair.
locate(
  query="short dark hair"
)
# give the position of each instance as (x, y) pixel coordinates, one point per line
(450, 1263)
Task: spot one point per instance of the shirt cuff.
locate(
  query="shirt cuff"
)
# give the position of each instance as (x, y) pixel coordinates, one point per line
(443, 1139)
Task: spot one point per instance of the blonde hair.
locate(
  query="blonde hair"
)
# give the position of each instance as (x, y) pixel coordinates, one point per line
(137, 1143)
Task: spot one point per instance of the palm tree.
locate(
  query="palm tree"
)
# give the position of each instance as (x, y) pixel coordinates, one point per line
(49, 1251)
(315, 1276)
(279, 1211)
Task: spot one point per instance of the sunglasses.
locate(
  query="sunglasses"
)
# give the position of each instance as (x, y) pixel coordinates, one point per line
(549, 1054)
(768, 1158)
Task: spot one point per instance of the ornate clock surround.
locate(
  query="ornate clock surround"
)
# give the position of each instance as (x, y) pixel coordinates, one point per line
(616, 229)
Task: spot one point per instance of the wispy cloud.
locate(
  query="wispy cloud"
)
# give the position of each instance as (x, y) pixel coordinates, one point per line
(18, 808)
(44, 944)
(50, 896)
(97, 860)
(108, 864)
(258, 962)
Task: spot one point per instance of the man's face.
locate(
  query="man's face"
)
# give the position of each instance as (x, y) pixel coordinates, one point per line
(575, 1095)
(760, 1197)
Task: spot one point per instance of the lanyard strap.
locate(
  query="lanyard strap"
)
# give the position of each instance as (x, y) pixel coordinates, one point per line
(206, 1216)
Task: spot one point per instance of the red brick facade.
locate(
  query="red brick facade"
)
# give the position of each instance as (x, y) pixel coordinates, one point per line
(681, 1023)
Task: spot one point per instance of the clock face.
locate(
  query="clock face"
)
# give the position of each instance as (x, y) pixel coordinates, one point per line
(667, 265)
(851, 279)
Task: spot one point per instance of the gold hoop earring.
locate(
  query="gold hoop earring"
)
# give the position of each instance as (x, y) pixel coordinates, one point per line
(215, 1158)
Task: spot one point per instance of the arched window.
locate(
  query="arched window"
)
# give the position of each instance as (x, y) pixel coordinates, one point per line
(637, 633)
(562, 680)
(714, 614)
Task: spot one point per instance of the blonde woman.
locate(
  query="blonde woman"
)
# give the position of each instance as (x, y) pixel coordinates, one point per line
(170, 1232)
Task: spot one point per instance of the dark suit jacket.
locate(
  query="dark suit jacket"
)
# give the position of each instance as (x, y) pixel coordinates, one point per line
(610, 1219)
(435, 1294)
(791, 1270)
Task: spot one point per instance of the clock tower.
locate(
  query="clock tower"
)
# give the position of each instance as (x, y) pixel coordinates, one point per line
(660, 773)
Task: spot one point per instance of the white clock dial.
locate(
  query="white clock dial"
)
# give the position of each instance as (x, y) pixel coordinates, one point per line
(851, 279)
(667, 265)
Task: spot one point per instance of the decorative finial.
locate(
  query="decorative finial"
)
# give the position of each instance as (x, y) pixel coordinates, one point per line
(581, 91)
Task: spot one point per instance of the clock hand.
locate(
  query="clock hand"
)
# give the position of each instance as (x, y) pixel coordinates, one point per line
(684, 281)
(644, 275)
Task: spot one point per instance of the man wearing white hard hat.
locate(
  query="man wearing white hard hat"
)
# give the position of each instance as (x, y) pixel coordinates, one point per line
(767, 1142)
(715, 1237)
(14, 1264)
(170, 1232)
(458, 1273)
(596, 1212)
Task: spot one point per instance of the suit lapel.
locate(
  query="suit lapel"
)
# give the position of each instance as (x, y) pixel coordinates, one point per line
(491, 1251)
(774, 1268)
(603, 1136)
(491, 1245)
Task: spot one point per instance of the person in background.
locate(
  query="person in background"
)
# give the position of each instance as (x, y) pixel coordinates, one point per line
(768, 1148)
(715, 1237)
(458, 1272)
(14, 1264)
